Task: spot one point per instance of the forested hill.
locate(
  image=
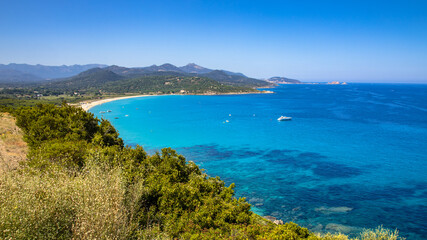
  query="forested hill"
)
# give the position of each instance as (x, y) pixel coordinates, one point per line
(93, 78)
(99, 80)
(222, 76)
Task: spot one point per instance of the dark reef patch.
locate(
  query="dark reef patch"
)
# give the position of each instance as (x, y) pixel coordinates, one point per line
(281, 158)
(335, 170)
(311, 156)
(276, 153)
(216, 152)
(317, 163)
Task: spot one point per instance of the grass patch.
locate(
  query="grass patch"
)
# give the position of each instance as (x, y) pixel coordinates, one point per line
(13, 149)
(58, 205)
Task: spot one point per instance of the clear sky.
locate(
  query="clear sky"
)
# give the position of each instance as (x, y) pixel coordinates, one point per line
(319, 40)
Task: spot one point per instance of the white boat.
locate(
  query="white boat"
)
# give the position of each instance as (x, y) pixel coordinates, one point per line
(284, 118)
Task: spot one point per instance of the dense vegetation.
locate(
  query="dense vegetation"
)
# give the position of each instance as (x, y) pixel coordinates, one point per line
(17, 97)
(105, 81)
(81, 182)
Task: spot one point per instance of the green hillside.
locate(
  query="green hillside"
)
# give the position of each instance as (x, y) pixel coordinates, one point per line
(172, 84)
(90, 79)
(224, 77)
(105, 81)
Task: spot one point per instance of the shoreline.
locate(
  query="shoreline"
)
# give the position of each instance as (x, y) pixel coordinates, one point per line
(88, 104)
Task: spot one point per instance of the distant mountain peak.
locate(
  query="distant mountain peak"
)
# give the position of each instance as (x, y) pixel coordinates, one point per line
(193, 65)
(167, 65)
(194, 68)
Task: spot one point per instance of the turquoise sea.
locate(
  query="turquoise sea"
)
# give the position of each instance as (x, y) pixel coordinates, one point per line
(353, 156)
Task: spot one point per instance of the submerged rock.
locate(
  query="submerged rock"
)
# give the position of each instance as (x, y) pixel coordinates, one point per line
(255, 200)
(318, 228)
(296, 209)
(340, 228)
(332, 210)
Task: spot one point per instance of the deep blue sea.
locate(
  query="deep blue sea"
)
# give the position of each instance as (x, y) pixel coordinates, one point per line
(354, 156)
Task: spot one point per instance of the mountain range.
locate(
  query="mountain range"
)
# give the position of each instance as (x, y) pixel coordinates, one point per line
(45, 72)
(18, 74)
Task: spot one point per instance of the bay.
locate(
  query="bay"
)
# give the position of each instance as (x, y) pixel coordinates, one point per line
(354, 156)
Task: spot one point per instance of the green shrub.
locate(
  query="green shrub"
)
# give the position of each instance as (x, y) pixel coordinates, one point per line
(380, 233)
(63, 135)
(48, 122)
(68, 154)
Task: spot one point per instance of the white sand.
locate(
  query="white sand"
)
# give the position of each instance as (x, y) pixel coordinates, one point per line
(88, 105)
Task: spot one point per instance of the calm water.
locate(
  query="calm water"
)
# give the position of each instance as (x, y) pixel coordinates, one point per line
(353, 156)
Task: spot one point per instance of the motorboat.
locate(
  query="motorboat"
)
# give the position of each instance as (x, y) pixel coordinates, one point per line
(284, 118)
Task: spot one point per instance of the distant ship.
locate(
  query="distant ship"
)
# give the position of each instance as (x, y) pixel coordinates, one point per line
(284, 118)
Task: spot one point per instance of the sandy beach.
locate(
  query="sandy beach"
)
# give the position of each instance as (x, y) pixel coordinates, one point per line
(87, 105)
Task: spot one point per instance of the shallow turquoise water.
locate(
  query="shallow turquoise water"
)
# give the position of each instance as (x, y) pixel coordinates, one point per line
(359, 146)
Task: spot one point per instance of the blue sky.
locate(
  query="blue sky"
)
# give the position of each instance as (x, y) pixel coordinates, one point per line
(358, 41)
